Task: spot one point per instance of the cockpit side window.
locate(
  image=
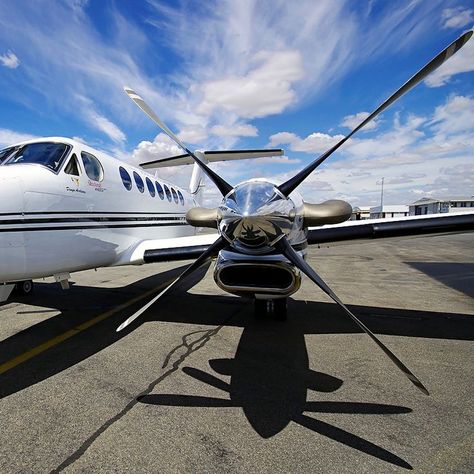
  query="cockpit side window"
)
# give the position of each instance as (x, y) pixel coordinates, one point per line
(48, 154)
(92, 166)
(73, 166)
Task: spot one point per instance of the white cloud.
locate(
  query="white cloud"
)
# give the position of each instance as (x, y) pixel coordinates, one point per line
(454, 116)
(264, 90)
(252, 59)
(237, 130)
(10, 137)
(9, 60)
(193, 134)
(462, 61)
(417, 155)
(352, 121)
(314, 143)
(108, 127)
(457, 17)
(161, 147)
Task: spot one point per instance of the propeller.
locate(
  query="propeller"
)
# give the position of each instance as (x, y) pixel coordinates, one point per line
(288, 251)
(221, 184)
(258, 217)
(287, 187)
(207, 255)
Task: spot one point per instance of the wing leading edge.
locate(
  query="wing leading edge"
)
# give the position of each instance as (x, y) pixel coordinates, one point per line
(389, 228)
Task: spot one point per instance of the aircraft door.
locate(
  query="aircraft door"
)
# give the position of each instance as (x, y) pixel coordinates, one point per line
(12, 244)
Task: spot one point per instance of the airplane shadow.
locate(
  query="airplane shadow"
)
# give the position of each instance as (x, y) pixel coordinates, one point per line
(270, 373)
(458, 276)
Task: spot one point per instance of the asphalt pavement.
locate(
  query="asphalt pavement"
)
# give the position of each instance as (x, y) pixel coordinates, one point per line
(199, 385)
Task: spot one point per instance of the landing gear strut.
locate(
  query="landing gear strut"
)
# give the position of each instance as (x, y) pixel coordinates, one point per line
(275, 309)
(24, 287)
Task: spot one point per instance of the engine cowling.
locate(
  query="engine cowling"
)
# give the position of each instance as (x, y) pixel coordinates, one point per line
(269, 276)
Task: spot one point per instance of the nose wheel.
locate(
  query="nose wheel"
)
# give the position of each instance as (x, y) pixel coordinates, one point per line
(24, 288)
(275, 309)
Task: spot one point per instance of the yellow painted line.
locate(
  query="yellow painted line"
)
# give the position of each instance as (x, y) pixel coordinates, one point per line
(75, 330)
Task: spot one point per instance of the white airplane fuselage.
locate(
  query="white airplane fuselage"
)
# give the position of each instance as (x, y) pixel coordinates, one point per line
(52, 221)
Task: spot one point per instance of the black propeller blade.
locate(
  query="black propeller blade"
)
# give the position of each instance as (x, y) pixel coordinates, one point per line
(207, 255)
(221, 184)
(299, 262)
(287, 187)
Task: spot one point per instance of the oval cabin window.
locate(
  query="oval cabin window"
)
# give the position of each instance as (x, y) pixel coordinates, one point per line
(175, 196)
(139, 181)
(159, 190)
(168, 192)
(126, 178)
(151, 188)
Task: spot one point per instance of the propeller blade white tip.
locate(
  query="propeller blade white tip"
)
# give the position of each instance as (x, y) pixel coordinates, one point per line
(132, 94)
(123, 325)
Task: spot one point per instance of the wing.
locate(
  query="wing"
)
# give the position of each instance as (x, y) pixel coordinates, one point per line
(167, 250)
(211, 157)
(394, 227)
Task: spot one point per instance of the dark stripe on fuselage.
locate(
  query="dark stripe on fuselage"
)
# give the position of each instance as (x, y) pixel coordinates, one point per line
(47, 213)
(85, 227)
(66, 220)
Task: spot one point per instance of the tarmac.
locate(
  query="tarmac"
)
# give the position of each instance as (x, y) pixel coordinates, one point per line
(197, 384)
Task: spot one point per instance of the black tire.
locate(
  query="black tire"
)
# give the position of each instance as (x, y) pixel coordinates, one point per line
(275, 309)
(280, 312)
(25, 288)
(260, 309)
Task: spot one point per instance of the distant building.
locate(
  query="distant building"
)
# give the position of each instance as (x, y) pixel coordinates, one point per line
(437, 206)
(397, 210)
(360, 213)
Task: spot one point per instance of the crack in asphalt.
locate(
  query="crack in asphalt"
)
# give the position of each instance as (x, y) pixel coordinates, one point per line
(190, 347)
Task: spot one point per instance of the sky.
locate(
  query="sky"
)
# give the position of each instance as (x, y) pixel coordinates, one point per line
(251, 74)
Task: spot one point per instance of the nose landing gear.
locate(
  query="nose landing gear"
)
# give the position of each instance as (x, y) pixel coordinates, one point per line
(24, 288)
(275, 309)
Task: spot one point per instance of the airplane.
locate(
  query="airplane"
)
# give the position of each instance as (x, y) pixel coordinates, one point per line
(69, 207)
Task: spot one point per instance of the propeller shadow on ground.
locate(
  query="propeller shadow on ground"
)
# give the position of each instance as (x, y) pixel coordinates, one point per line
(270, 377)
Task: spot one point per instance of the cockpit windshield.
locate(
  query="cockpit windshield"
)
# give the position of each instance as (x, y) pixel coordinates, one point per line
(6, 152)
(47, 154)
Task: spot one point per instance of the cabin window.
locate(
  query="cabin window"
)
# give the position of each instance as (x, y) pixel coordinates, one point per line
(139, 181)
(159, 189)
(51, 155)
(181, 198)
(126, 178)
(151, 188)
(73, 166)
(168, 192)
(175, 196)
(92, 166)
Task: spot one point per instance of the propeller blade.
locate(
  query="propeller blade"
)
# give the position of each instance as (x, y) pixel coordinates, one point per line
(299, 262)
(287, 187)
(221, 184)
(213, 250)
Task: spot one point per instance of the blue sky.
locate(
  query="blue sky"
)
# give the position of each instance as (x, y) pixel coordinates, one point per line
(246, 74)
